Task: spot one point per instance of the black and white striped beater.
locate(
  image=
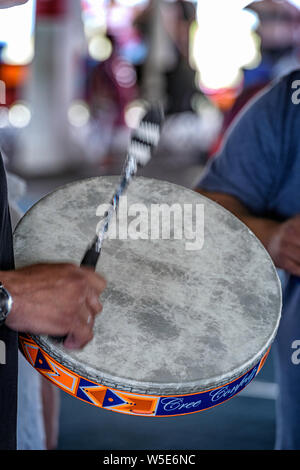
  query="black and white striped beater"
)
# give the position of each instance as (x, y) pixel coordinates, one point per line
(142, 144)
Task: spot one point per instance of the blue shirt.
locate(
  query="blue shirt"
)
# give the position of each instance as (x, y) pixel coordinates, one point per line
(260, 160)
(260, 163)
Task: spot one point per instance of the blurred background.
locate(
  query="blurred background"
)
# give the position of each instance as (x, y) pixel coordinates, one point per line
(75, 76)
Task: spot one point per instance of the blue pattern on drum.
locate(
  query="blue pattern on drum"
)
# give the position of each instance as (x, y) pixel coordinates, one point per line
(192, 403)
(81, 390)
(112, 399)
(40, 362)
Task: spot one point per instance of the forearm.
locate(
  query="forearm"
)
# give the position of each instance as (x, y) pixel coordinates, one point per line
(263, 228)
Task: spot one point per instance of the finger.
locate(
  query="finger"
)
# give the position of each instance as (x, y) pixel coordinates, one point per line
(86, 318)
(81, 331)
(93, 303)
(292, 237)
(81, 335)
(77, 341)
(96, 281)
(292, 267)
(293, 228)
(291, 251)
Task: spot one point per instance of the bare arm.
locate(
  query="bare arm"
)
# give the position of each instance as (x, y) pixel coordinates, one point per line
(281, 239)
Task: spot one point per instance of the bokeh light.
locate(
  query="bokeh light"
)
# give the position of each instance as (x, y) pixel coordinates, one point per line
(78, 113)
(225, 43)
(100, 48)
(19, 115)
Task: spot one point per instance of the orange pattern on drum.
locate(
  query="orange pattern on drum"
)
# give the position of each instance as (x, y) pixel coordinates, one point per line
(49, 368)
(97, 394)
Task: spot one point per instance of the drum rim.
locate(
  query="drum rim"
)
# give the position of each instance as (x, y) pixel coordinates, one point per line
(148, 388)
(156, 388)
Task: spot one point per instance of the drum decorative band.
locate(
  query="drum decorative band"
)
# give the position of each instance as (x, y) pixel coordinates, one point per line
(129, 403)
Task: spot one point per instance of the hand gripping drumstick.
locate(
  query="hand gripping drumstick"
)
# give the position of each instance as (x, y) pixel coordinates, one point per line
(142, 144)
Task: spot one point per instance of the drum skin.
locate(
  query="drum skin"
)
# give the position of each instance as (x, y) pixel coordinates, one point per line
(181, 330)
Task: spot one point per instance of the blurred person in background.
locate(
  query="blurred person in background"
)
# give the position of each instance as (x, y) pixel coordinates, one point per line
(279, 33)
(174, 55)
(178, 17)
(256, 177)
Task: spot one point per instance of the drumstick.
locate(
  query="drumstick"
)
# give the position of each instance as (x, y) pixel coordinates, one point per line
(141, 147)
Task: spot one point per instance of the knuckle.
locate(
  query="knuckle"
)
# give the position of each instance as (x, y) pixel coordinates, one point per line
(81, 283)
(103, 281)
(78, 285)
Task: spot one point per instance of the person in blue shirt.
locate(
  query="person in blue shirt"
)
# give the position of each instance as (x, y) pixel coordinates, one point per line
(257, 177)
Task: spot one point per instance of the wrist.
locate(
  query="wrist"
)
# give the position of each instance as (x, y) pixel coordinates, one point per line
(6, 303)
(10, 283)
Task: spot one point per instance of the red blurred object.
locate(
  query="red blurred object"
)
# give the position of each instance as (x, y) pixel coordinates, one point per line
(51, 8)
(14, 77)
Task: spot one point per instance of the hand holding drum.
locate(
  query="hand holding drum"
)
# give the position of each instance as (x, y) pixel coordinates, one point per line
(55, 299)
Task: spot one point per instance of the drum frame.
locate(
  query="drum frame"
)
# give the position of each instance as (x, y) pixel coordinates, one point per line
(122, 401)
